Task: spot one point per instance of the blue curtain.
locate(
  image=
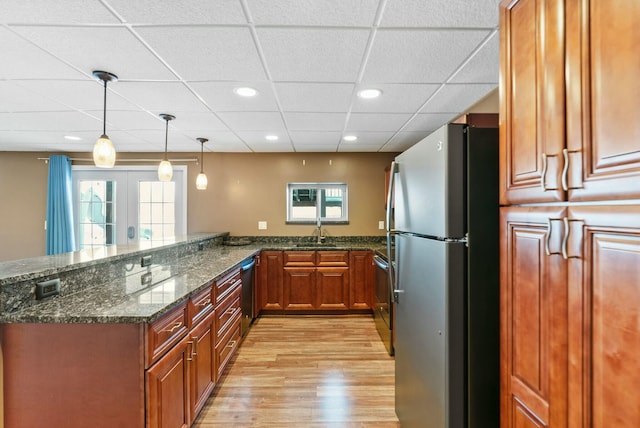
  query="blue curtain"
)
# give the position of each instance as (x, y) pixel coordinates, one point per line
(60, 235)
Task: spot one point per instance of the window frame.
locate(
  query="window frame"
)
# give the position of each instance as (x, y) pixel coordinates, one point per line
(344, 219)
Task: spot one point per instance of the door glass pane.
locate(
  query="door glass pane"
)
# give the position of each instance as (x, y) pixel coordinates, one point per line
(156, 210)
(97, 213)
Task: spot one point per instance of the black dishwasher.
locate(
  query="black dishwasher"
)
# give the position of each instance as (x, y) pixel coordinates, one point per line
(247, 294)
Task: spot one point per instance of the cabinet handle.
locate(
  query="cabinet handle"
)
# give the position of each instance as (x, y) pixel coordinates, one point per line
(565, 240)
(205, 303)
(194, 350)
(545, 166)
(565, 169)
(231, 344)
(547, 240)
(189, 351)
(230, 311)
(175, 327)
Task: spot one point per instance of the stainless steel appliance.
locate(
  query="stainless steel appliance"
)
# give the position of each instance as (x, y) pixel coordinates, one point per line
(248, 292)
(383, 311)
(443, 216)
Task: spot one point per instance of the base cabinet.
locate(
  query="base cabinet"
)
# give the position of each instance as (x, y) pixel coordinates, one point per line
(332, 288)
(203, 370)
(361, 278)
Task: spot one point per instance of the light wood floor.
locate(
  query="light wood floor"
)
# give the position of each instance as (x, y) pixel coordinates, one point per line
(303, 371)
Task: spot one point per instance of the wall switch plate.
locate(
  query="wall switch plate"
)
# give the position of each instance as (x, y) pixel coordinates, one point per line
(262, 225)
(47, 288)
(381, 224)
(145, 261)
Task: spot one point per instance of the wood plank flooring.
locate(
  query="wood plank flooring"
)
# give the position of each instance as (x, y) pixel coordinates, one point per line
(306, 371)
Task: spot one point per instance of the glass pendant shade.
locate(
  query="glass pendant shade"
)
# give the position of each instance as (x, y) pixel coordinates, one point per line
(165, 171)
(201, 181)
(104, 154)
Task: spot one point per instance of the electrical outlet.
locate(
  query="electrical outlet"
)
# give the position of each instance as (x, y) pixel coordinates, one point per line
(47, 288)
(145, 261)
(381, 224)
(262, 225)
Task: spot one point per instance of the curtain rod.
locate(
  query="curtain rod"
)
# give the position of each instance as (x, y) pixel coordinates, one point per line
(46, 160)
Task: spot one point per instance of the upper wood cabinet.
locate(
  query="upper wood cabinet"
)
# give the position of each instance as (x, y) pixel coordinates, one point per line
(531, 100)
(603, 99)
(584, 149)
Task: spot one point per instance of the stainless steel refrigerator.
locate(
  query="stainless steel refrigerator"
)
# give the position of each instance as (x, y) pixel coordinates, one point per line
(443, 217)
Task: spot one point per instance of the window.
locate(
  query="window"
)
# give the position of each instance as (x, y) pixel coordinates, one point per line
(308, 202)
(127, 204)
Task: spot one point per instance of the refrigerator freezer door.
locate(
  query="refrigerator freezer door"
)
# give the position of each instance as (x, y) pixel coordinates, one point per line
(430, 185)
(429, 331)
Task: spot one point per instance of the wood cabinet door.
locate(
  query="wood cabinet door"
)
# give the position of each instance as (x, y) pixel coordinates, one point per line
(203, 371)
(299, 288)
(531, 100)
(361, 280)
(332, 288)
(533, 312)
(167, 385)
(603, 99)
(604, 324)
(270, 280)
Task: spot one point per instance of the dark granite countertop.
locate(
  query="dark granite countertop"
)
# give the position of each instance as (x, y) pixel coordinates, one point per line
(129, 299)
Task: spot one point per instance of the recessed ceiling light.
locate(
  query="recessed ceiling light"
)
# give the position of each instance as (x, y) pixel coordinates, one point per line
(271, 137)
(349, 138)
(369, 93)
(72, 138)
(245, 91)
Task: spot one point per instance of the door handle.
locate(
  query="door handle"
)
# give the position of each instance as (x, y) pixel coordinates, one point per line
(131, 232)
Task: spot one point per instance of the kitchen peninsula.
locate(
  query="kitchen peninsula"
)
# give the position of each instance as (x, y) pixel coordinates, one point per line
(126, 344)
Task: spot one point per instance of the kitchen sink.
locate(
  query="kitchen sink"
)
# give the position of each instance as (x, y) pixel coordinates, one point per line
(315, 244)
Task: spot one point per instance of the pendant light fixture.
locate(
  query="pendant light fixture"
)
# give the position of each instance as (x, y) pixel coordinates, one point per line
(165, 170)
(104, 154)
(201, 180)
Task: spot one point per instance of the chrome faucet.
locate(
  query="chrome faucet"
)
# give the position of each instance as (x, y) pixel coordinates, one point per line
(320, 239)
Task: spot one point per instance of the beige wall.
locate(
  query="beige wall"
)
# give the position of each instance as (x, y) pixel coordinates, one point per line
(244, 188)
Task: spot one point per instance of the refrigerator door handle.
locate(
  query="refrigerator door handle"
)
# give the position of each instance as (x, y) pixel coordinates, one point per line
(392, 270)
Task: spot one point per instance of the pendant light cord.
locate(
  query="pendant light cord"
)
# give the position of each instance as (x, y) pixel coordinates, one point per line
(104, 110)
(166, 137)
(202, 157)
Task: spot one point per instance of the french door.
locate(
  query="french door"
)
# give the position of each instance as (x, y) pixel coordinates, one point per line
(127, 204)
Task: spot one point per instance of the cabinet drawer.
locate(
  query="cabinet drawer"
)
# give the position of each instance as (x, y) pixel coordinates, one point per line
(163, 333)
(200, 305)
(225, 312)
(332, 258)
(299, 258)
(226, 285)
(228, 346)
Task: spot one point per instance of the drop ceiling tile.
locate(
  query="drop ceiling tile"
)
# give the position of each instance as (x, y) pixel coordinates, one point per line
(77, 94)
(376, 122)
(56, 12)
(358, 148)
(129, 120)
(395, 98)
(266, 122)
(206, 53)
(113, 49)
(345, 13)
(256, 138)
(315, 97)
(314, 137)
(425, 123)
(315, 121)
(315, 148)
(177, 142)
(22, 60)
(161, 97)
(223, 141)
(200, 121)
(15, 98)
(313, 54)
(48, 121)
(368, 138)
(271, 148)
(419, 56)
(457, 98)
(219, 96)
(180, 11)
(403, 140)
(441, 13)
(484, 66)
